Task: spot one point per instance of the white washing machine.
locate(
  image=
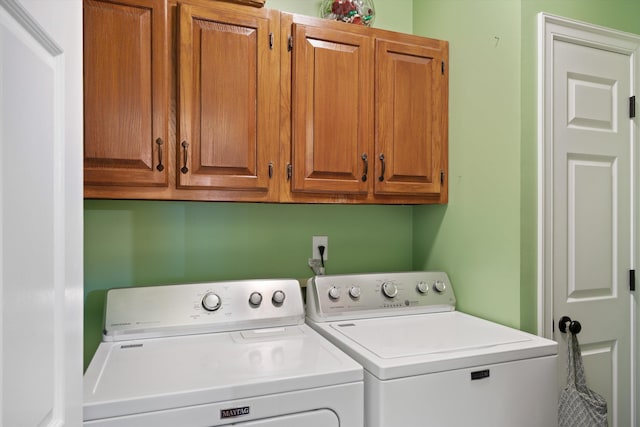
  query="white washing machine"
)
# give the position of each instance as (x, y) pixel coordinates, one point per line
(218, 354)
(427, 364)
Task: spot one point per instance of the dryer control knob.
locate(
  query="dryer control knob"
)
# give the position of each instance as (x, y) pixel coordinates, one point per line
(211, 301)
(422, 287)
(255, 299)
(278, 297)
(334, 293)
(389, 289)
(439, 286)
(354, 292)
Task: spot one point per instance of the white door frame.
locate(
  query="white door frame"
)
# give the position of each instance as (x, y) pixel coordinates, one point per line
(551, 28)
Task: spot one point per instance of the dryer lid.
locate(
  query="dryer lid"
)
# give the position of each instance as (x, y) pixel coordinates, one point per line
(154, 374)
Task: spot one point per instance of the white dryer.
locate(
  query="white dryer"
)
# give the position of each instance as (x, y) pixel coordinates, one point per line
(218, 354)
(427, 364)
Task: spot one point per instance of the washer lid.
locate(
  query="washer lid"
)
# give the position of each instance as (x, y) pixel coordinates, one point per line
(399, 346)
(162, 373)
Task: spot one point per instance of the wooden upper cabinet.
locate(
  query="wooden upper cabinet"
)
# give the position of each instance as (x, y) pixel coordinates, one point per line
(125, 92)
(209, 100)
(368, 114)
(411, 117)
(331, 111)
(228, 88)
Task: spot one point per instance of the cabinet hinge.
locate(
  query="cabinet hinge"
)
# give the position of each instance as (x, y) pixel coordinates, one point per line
(632, 106)
(441, 177)
(289, 171)
(290, 44)
(632, 280)
(271, 41)
(443, 68)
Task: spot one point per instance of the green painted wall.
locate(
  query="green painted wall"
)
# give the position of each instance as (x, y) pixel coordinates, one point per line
(132, 243)
(475, 238)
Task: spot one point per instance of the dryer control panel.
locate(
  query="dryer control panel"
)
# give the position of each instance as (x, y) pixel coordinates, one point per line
(155, 311)
(354, 296)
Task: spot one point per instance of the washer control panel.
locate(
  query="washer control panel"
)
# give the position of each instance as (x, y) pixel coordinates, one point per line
(351, 296)
(154, 311)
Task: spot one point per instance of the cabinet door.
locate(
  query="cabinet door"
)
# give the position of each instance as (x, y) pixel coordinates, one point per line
(125, 92)
(228, 74)
(411, 118)
(332, 110)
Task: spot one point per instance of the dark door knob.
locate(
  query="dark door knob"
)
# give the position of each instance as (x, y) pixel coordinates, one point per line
(574, 326)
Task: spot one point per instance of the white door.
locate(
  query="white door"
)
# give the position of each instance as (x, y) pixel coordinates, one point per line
(41, 213)
(589, 217)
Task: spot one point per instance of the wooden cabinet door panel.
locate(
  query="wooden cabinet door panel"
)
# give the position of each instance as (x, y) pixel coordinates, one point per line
(332, 110)
(125, 92)
(411, 113)
(228, 79)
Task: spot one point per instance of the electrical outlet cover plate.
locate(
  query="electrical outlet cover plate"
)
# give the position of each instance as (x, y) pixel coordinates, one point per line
(319, 241)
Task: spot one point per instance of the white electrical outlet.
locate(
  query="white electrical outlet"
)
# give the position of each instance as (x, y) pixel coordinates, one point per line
(320, 241)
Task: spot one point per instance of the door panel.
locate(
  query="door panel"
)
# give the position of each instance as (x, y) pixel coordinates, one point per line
(332, 111)
(126, 93)
(592, 227)
(591, 102)
(228, 81)
(592, 221)
(41, 213)
(410, 108)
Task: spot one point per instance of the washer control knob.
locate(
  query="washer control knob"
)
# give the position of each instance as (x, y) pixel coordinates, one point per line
(211, 301)
(334, 293)
(255, 299)
(354, 292)
(278, 297)
(422, 287)
(439, 286)
(389, 289)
